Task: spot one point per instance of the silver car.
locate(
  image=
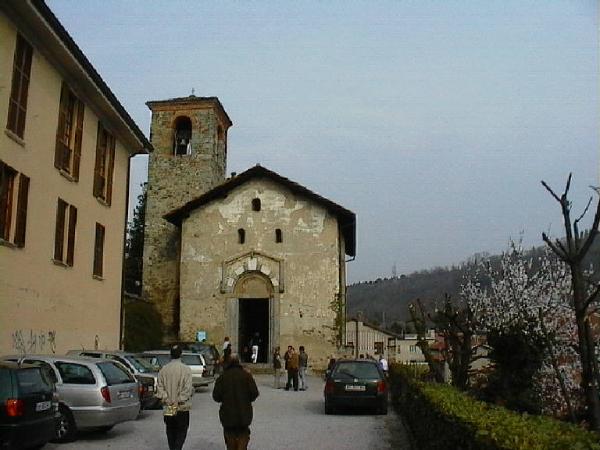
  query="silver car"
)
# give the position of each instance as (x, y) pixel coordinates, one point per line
(93, 393)
(195, 361)
(139, 367)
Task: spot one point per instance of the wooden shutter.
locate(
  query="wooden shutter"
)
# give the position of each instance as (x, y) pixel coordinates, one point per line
(59, 234)
(5, 203)
(109, 169)
(17, 106)
(99, 250)
(60, 130)
(71, 239)
(21, 224)
(100, 152)
(78, 139)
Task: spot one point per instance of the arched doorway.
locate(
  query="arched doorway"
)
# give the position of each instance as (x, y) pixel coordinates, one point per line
(255, 316)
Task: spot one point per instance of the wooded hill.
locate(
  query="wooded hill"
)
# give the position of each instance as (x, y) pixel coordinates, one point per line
(388, 298)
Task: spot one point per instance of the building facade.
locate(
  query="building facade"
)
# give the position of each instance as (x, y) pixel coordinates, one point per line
(365, 339)
(64, 165)
(256, 257)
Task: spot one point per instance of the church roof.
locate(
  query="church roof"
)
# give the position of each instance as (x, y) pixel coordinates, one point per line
(346, 218)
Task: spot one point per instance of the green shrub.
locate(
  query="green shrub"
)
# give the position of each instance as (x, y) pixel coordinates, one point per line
(443, 418)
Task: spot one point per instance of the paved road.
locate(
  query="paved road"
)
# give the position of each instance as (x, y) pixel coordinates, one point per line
(282, 420)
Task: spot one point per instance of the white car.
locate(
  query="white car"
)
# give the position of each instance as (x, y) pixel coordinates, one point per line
(194, 361)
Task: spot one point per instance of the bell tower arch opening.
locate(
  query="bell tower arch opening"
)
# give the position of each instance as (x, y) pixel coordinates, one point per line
(182, 136)
(255, 314)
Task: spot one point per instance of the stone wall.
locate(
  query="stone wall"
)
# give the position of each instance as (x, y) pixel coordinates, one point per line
(303, 270)
(174, 180)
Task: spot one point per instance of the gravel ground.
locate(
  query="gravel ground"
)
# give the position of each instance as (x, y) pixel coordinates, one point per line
(282, 420)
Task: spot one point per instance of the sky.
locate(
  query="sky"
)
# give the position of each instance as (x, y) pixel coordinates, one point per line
(433, 121)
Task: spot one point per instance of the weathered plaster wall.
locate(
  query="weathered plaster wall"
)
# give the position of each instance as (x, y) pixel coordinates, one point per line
(174, 180)
(310, 253)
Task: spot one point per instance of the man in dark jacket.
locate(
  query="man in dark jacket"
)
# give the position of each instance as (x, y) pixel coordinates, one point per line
(235, 389)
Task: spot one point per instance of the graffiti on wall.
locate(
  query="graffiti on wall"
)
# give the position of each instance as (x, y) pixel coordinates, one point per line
(34, 341)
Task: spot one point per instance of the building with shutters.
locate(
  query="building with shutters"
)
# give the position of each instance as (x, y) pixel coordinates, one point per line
(64, 163)
(255, 257)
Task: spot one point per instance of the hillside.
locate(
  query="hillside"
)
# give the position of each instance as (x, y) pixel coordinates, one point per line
(393, 295)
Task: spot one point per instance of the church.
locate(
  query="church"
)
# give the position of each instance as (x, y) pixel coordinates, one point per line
(255, 257)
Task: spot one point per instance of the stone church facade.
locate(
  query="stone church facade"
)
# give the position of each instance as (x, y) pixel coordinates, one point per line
(255, 256)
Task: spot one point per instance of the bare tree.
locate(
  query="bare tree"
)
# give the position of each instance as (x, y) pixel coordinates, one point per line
(419, 319)
(572, 251)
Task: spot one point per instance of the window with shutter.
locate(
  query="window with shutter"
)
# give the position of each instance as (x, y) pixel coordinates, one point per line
(66, 223)
(105, 160)
(99, 251)
(13, 205)
(67, 154)
(17, 105)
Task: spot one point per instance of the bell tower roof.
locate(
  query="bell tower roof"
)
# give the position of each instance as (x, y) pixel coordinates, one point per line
(191, 102)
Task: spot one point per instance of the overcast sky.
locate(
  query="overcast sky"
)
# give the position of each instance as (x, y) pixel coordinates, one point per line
(433, 121)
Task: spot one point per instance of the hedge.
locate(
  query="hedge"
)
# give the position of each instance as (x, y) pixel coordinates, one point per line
(441, 417)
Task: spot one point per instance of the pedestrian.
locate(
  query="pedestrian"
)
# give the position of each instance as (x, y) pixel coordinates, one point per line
(174, 389)
(277, 368)
(292, 369)
(255, 344)
(383, 364)
(226, 343)
(235, 389)
(302, 366)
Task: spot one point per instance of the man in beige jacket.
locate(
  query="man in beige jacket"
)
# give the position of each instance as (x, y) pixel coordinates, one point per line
(174, 388)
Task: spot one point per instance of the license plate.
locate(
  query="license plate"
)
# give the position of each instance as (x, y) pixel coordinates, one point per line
(125, 394)
(353, 387)
(150, 388)
(42, 406)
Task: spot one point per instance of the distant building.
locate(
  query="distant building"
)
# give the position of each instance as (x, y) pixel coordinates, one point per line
(363, 339)
(64, 164)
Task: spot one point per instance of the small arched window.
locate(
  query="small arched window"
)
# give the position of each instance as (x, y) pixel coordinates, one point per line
(182, 136)
(278, 236)
(241, 235)
(256, 204)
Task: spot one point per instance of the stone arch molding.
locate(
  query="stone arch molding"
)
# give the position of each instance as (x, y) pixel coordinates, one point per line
(234, 269)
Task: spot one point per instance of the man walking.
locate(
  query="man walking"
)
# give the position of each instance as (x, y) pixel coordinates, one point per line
(174, 388)
(302, 365)
(235, 389)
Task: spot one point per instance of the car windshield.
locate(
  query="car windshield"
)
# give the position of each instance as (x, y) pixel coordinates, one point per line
(113, 374)
(140, 364)
(356, 370)
(191, 360)
(32, 381)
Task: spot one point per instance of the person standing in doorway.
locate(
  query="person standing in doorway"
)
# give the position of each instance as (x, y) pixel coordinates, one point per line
(174, 389)
(226, 343)
(292, 369)
(235, 389)
(302, 366)
(277, 368)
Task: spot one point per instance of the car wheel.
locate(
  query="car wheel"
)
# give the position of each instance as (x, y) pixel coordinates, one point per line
(383, 408)
(65, 426)
(329, 409)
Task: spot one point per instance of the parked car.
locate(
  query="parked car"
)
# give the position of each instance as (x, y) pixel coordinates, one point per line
(195, 361)
(28, 406)
(210, 353)
(92, 393)
(356, 383)
(139, 367)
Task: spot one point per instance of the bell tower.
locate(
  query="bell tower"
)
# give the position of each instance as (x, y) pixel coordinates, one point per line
(189, 136)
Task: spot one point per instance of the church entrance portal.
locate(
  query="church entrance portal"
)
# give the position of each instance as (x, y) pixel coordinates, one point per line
(253, 328)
